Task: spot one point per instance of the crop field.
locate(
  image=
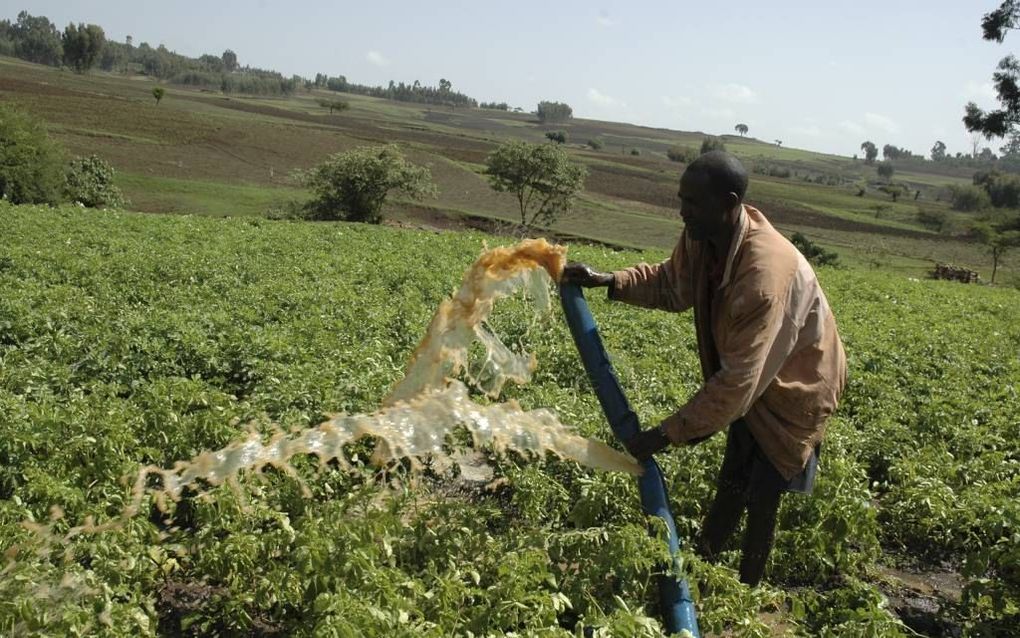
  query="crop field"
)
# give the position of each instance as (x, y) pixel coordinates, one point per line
(246, 149)
(129, 340)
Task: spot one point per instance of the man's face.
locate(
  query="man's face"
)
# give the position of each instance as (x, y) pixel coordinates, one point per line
(703, 212)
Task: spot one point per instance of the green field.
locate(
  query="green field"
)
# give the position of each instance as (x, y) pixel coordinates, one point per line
(131, 339)
(204, 153)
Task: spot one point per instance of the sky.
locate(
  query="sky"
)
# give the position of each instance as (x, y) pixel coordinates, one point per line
(820, 74)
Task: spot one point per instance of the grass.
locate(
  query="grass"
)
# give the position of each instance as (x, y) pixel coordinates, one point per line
(198, 197)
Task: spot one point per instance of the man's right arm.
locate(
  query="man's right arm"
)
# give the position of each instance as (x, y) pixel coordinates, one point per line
(663, 286)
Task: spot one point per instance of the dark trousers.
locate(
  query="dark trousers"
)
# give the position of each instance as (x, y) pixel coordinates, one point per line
(748, 480)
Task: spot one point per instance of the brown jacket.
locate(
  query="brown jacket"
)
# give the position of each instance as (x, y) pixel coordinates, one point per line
(767, 339)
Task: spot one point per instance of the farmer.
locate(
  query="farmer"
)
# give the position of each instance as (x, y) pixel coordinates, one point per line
(773, 364)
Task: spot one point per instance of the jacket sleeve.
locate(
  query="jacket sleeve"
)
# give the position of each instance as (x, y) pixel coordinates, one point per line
(663, 286)
(758, 339)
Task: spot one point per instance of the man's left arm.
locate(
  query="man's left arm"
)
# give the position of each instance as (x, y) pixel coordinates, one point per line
(758, 340)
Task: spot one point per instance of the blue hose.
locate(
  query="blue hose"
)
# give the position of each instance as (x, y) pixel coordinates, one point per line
(674, 594)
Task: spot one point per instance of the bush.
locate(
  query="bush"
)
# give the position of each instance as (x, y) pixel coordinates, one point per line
(771, 170)
(933, 219)
(353, 186)
(813, 252)
(712, 144)
(89, 182)
(596, 144)
(969, 198)
(885, 170)
(31, 164)
(635, 151)
(681, 154)
(560, 137)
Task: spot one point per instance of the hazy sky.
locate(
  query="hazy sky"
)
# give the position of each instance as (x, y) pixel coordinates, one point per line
(818, 74)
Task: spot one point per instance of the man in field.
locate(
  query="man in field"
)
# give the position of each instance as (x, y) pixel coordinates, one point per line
(772, 359)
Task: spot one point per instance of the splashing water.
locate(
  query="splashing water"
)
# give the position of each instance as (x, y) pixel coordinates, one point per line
(426, 405)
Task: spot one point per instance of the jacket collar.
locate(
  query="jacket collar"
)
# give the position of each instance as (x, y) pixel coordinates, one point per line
(738, 238)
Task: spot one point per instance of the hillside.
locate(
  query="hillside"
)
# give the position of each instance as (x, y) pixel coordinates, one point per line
(205, 153)
(131, 339)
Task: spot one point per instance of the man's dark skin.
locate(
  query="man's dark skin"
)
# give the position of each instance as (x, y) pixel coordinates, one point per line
(711, 214)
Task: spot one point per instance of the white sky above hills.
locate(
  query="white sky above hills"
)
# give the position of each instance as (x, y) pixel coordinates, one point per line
(818, 75)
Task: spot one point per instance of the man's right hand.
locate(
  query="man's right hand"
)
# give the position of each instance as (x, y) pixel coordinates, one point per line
(582, 275)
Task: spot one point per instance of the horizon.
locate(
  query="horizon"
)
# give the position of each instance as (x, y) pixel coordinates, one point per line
(872, 94)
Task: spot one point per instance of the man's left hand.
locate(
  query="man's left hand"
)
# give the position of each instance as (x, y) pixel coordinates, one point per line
(646, 443)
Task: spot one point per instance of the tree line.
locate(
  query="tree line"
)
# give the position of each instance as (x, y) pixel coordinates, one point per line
(442, 94)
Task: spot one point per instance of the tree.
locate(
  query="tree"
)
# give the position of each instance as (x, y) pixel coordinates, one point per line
(895, 191)
(541, 176)
(596, 143)
(158, 92)
(742, 129)
(334, 105)
(82, 46)
(997, 240)
(885, 170)
(445, 85)
(712, 144)
(560, 137)
(554, 112)
(870, 152)
(36, 39)
(89, 182)
(31, 164)
(229, 59)
(353, 185)
(779, 143)
(969, 198)
(1004, 120)
(938, 151)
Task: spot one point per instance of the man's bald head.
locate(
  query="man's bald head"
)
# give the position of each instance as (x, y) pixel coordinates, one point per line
(711, 191)
(723, 173)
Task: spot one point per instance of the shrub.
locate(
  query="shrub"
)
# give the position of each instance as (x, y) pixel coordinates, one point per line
(813, 252)
(681, 154)
(932, 219)
(31, 164)
(353, 186)
(635, 151)
(596, 144)
(560, 137)
(712, 144)
(969, 198)
(89, 182)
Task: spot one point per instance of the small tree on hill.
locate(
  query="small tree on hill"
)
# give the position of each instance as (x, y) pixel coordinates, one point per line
(229, 59)
(885, 170)
(712, 144)
(89, 182)
(334, 105)
(82, 46)
(554, 112)
(997, 240)
(870, 152)
(596, 144)
(742, 129)
(814, 253)
(31, 164)
(560, 137)
(938, 151)
(541, 176)
(353, 186)
(158, 92)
